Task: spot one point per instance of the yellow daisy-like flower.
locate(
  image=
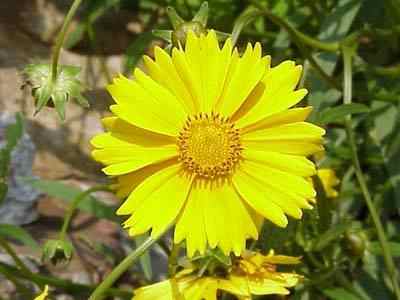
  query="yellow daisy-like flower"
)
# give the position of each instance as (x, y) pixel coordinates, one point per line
(207, 140)
(329, 181)
(44, 294)
(252, 274)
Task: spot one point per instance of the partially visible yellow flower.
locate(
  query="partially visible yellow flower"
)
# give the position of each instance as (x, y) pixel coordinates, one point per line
(251, 274)
(208, 140)
(329, 181)
(44, 294)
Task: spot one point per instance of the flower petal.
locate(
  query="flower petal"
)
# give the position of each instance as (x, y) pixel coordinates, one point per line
(278, 95)
(147, 104)
(156, 202)
(294, 164)
(163, 70)
(237, 86)
(203, 67)
(222, 206)
(250, 191)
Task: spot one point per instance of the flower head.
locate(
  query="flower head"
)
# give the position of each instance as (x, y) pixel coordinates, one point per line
(207, 140)
(251, 274)
(58, 91)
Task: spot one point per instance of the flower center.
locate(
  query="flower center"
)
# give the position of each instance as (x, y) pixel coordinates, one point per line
(209, 145)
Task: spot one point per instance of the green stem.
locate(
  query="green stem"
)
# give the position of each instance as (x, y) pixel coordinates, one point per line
(309, 41)
(19, 263)
(74, 204)
(66, 285)
(172, 267)
(347, 96)
(11, 277)
(98, 293)
(61, 38)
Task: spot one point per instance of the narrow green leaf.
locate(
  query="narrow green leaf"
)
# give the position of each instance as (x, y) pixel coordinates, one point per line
(67, 193)
(3, 191)
(175, 19)
(376, 249)
(145, 260)
(4, 162)
(135, 51)
(14, 132)
(202, 15)
(338, 113)
(339, 294)
(19, 234)
(245, 18)
(330, 235)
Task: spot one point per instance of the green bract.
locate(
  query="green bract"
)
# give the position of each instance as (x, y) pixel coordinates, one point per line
(57, 251)
(65, 86)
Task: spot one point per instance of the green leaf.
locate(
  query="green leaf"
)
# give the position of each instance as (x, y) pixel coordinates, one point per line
(3, 191)
(67, 193)
(375, 248)
(145, 260)
(330, 235)
(19, 234)
(202, 15)
(14, 132)
(135, 50)
(338, 113)
(4, 162)
(339, 294)
(174, 18)
(245, 18)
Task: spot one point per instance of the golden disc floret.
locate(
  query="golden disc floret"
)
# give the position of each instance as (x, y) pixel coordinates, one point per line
(209, 145)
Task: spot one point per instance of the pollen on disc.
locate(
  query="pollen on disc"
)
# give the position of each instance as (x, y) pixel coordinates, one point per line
(209, 145)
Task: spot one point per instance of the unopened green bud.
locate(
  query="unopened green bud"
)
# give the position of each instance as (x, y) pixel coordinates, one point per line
(54, 93)
(180, 34)
(57, 252)
(356, 243)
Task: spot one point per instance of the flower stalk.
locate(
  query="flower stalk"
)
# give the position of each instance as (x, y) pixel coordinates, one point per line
(99, 292)
(61, 37)
(348, 52)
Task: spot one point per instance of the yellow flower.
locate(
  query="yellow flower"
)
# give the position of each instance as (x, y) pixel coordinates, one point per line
(44, 294)
(207, 140)
(251, 274)
(329, 180)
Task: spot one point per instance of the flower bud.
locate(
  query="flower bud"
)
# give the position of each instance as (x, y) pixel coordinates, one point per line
(356, 243)
(57, 252)
(180, 34)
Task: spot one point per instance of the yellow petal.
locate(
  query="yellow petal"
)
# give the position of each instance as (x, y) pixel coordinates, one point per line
(44, 294)
(156, 202)
(123, 160)
(278, 95)
(294, 164)
(301, 131)
(221, 207)
(288, 116)
(165, 73)
(128, 182)
(190, 225)
(147, 104)
(279, 180)
(237, 86)
(253, 195)
(121, 131)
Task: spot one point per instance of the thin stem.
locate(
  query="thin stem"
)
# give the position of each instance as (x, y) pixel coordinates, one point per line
(314, 43)
(347, 96)
(99, 292)
(74, 204)
(13, 254)
(18, 285)
(66, 285)
(172, 267)
(61, 38)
